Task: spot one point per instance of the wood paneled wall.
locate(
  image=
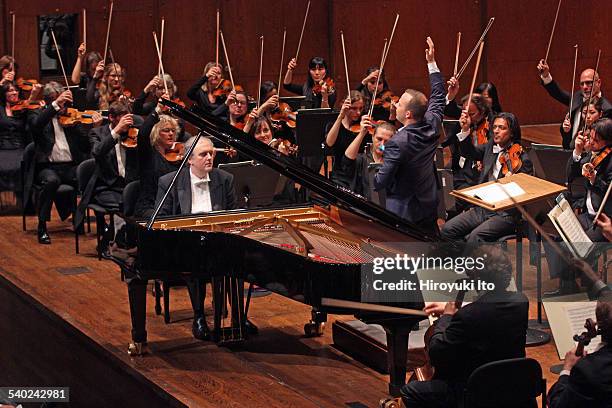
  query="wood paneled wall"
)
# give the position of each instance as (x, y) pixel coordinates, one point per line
(516, 42)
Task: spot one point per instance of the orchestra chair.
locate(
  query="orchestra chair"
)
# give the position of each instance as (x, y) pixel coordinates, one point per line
(27, 162)
(512, 383)
(84, 172)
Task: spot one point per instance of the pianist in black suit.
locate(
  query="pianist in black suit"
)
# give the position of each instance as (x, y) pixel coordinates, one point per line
(491, 328)
(478, 224)
(589, 81)
(408, 173)
(586, 381)
(199, 188)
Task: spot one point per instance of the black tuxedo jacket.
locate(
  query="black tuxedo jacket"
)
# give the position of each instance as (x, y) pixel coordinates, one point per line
(103, 150)
(602, 180)
(222, 195)
(564, 97)
(588, 385)
(491, 328)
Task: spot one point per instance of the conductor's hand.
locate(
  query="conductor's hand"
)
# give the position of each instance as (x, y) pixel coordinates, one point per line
(430, 52)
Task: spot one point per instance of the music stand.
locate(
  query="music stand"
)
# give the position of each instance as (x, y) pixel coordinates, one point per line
(255, 184)
(295, 102)
(79, 98)
(310, 135)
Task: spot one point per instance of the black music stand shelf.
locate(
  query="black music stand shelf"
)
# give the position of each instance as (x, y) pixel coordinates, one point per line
(255, 184)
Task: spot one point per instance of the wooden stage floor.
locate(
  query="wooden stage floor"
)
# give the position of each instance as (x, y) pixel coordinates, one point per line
(277, 368)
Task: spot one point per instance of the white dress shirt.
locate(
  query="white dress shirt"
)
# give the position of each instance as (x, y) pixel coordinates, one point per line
(119, 152)
(200, 193)
(61, 150)
(496, 149)
(588, 201)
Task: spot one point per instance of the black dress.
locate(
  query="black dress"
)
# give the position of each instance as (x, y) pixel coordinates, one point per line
(13, 139)
(217, 108)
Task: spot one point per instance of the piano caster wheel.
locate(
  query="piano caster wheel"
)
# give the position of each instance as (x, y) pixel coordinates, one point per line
(136, 349)
(391, 403)
(314, 329)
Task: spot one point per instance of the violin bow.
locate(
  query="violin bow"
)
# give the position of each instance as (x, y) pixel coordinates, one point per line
(59, 57)
(280, 71)
(480, 40)
(390, 39)
(260, 71)
(595, 77)
(573, 81)
(110, 18)
(161, 64)
(302, 33)
(85, 27)
(161, 44)
(348, 83)
(13, 41)
(217, 34)
(382, 61)
(552, 32)
(469, 100)
(457, 53)
(229, 67)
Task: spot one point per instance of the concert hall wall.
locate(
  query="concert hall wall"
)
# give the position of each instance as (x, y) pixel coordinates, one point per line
(517, 40)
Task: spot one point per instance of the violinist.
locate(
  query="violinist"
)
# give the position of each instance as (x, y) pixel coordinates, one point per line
(110, 88)
(8, 68)
(58, 152)
(367, 87)
(156, 89)
(238, 104)
(339, 135)
(204, 95)
(486, 90)
(318, 89)
(589, 82)
(91, 60)
(585, 380)
(353, 172)
(590, 115)
(14, 137)
(502, 155)
(489, 329)
(116, 166)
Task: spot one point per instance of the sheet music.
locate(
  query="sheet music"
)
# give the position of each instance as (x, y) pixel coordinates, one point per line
(496, 192)
(570, 229)
(576, 315)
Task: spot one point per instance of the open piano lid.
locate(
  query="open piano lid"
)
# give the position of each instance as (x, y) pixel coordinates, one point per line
(334, 194)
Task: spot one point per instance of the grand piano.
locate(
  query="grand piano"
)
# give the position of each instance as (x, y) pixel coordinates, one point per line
(308, 253)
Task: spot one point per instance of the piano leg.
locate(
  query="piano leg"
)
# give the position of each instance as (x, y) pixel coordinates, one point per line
(137, 296)
(397, 356)
(316, 325)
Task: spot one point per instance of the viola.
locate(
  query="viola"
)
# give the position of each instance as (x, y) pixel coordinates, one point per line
(585, 337)
(284, 113)
(386, 99)
(74, 116)
(510, 160)
(328, 82)
(225, 87)
(26, 84)
(130, 141)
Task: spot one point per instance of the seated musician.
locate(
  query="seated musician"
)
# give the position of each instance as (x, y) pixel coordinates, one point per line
(353, 172)
(110, 88)
(199, 188)
(502, 155)
(367, 87)
(486, 89)
(491, 328)
(116, 166)
(318, 88)
(58, 152)
(203, 91)
(155, 89)
(238, 104)
(590, 115)
(586, 381)
(339, 135)
(408, 174)
(91, 60)
(589, 82)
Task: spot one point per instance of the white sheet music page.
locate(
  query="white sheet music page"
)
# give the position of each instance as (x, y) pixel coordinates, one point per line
(496, 192)
(571, 229)
(576, 314)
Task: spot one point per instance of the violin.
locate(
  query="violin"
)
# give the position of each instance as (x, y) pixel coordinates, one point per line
(510, 160)
(284, 146)
(585, 337)
(284, 113)
(328, 82)
(225, 87)
(74, 116)
(25, 105)
(178, 101)
(356, 128)
(386, 99)
(176, 152)
(130, 141)
(26, 84)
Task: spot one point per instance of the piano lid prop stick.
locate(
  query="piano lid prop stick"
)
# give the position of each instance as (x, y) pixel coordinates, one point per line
(552, 33)
(229, 67)
(348, 83)
(260, 71)
(59, 57)
(110, 18)
(457, 53)
(370, 307)
(480, 40)
(280, 71)
(161, 65)
(302, 33)
(573, 81)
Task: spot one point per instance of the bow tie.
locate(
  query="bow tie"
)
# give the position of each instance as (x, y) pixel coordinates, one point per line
(497, 148)
(201, 183)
